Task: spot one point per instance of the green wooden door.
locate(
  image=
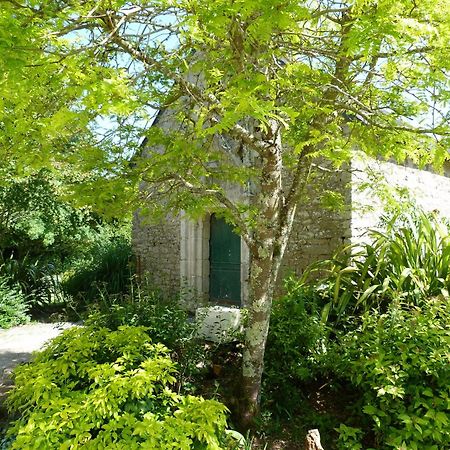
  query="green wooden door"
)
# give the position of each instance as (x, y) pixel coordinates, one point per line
(225, 263)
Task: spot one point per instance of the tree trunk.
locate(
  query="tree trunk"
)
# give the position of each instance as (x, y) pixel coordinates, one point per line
(262, 284)
(266, 260)
(269, 241)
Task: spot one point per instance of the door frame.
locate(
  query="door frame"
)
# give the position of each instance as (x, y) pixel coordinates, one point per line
(194, 263)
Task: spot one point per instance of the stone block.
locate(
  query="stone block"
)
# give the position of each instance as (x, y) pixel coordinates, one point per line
(218, 323)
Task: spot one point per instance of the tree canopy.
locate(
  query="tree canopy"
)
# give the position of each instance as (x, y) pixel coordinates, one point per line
(257, 89)
(74, 68)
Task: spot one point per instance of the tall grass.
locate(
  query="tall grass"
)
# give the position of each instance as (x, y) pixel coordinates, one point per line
(408, 261)
(35, 277)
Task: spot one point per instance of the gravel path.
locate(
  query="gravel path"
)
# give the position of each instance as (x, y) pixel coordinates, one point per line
(18, 343)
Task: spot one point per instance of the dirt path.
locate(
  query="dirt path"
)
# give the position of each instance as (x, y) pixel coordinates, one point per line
(17, 345)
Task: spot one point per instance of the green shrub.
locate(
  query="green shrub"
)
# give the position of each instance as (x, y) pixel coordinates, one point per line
(400, 362)
(97, 388)
(164, 320)
(106, 268)
(37, 221)
(409, 261)
(296, 334)
(35, 277)
(295, 344)
(43, 236)
(13, 305)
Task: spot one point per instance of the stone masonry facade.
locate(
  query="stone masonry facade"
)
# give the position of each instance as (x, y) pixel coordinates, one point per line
(429, 190)
(157, 250)
(174, 255)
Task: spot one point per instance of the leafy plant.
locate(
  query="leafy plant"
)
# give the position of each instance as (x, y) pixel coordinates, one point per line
(399, 360)
(97, 388)
(13, 305)
(294, 382)
(42, 235)
(296, 337)
(35, 277)
(106, 268)
(349, 437)
(164, 321)
(36, 221)
(408, 261)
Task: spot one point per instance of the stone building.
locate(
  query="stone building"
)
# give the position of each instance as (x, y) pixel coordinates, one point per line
(208, 263)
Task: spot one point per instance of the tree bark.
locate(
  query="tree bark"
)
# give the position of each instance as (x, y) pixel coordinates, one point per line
(269, 242)
(262, 284)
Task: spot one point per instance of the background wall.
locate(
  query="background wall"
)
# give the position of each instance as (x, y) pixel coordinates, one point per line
(175, 254)
(429, 190)
(157, 251)
(319, 227)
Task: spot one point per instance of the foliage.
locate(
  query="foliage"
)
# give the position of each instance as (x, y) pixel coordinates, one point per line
(349, 437)
(408, 261)
(98, 388)
(164, 321)
(297, 394)
(261, 65)
(105, 267)
(36, 278)
(13, 305)
(399, 361)
(295, 342)
(36, 221)
(392, 355)
(42, 234)
(259, 92)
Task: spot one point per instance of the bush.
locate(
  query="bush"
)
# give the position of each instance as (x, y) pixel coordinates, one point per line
(13, 305)
(97, 388)
(399, 360)
(36, 221)
(292, 368)
(165, 322)
(296, 336)
(409, 261)
(35, 278)
(42, 236)
(106, 268)
(388, 362)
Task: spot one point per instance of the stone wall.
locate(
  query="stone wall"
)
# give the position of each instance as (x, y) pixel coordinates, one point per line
(429, 190)
(157, 246)
(157, 252)
(318, 230)
(175, 254)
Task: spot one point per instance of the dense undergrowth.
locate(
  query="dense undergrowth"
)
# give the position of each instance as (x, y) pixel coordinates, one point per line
(53, 255)
(13, 305)
(95, 388)
(361, 353)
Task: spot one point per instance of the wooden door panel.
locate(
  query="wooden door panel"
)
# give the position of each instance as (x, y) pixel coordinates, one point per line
(225, 263)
